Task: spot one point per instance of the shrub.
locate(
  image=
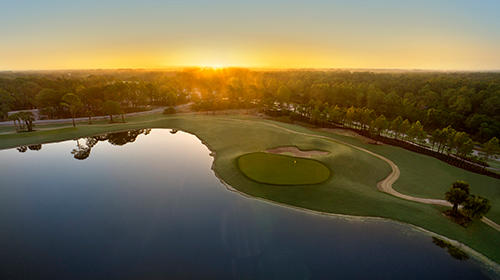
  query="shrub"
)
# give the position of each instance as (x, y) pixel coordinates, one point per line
(476, 206)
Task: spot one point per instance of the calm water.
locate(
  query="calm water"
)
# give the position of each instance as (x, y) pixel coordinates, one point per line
(136, 206)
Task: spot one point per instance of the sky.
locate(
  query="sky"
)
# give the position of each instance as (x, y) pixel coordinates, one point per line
(90, 34)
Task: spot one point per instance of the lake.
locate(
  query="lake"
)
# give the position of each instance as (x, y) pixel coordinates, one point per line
(146, 204)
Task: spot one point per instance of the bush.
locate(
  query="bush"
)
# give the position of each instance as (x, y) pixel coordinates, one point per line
(169, 111)
(476, 206)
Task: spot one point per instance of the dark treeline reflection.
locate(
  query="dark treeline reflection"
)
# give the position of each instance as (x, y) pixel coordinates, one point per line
(85, 145)
(23, 149)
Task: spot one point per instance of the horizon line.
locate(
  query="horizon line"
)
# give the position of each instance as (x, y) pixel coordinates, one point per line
(277, 68)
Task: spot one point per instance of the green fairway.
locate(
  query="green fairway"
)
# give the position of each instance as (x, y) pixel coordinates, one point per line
(282, 169)
(352, 190)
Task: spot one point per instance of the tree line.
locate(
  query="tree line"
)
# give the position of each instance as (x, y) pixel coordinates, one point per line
(446, 140)
(453, 110)
(66, 96)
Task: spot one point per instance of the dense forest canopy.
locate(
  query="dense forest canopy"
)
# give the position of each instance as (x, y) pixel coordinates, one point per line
(466, 101)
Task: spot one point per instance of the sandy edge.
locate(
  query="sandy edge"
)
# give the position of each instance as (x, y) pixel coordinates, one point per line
(296, 151)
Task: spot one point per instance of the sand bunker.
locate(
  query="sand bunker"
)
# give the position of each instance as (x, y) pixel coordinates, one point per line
(296, 151)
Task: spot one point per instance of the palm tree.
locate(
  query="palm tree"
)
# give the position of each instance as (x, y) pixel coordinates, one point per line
(73, 103)
(458, 194)
(28, 119)
(456, 197)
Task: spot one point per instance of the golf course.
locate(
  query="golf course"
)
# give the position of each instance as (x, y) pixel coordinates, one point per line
(342, 179)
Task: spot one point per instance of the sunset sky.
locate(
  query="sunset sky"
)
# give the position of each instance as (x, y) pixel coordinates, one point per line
(446, 34)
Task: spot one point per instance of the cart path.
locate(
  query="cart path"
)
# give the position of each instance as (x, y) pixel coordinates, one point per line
(385, 185)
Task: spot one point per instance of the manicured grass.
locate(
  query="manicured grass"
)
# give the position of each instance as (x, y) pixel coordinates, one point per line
(275, 169)
(427, 177)
(352, 190)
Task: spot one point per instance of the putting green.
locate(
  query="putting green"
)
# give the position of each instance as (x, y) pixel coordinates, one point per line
(282, 169)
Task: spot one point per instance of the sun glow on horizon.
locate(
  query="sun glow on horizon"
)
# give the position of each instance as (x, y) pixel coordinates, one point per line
(214, 66)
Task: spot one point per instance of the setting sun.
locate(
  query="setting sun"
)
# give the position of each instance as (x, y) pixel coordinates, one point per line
(213, 66)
